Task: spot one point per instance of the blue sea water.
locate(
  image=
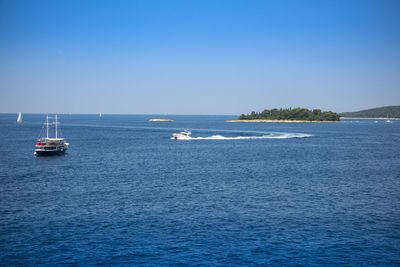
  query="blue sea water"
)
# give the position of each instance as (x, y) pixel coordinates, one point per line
(125, 193)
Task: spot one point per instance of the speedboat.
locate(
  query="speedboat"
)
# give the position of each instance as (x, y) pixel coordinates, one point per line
(47, 145)
(182, 135)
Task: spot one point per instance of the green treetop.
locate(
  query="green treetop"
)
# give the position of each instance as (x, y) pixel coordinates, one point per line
(292, 114)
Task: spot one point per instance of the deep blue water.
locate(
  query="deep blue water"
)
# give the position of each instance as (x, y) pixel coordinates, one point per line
(125, 193)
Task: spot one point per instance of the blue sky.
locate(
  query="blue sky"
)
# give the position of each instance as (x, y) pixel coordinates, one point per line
(198, 57)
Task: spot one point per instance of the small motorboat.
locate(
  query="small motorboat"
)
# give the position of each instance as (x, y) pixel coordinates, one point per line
(47, 145)
(185, 134)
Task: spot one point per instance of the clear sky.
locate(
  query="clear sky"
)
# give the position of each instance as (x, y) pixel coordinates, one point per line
(198, 57)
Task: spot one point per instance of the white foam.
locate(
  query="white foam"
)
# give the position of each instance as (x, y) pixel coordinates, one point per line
(262, 135)
(269, 136)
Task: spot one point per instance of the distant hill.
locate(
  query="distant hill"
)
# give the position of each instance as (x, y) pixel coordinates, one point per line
(382, 112)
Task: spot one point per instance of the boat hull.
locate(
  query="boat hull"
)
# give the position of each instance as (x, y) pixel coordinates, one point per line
(41, 153)
(48, 153)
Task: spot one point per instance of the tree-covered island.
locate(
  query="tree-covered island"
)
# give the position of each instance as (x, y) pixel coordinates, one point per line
(295, 114)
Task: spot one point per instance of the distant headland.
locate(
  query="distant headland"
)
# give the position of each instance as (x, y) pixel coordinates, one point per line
(296, 115)
(388, 112)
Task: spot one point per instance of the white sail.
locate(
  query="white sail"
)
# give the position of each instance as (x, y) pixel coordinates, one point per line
(19, 120)
(100, 114)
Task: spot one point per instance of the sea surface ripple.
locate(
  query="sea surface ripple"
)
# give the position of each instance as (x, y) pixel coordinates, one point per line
(125, 193)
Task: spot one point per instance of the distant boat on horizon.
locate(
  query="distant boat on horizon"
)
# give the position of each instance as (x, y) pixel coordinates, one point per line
(100, 115)
(388, 120)
(19, 119)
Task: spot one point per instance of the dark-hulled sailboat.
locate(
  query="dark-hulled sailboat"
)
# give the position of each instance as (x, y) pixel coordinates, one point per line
(47, 145)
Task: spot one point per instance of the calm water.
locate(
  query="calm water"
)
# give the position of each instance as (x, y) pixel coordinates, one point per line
(125, 193)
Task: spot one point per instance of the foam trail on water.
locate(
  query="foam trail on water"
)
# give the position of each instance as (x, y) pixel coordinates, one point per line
(270, 136)
(266, 135)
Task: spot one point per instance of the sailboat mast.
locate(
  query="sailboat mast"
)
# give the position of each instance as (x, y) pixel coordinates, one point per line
(47, 126)
(56, 126)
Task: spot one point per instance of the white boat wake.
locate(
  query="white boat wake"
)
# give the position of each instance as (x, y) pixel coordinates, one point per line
(268, 136)
(261, 134)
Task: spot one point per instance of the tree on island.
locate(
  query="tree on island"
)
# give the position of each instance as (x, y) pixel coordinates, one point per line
(302, 114)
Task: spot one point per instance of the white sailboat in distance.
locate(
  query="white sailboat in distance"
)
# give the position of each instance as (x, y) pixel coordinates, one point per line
(20, 120)
(388, 119)
(100, 115)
